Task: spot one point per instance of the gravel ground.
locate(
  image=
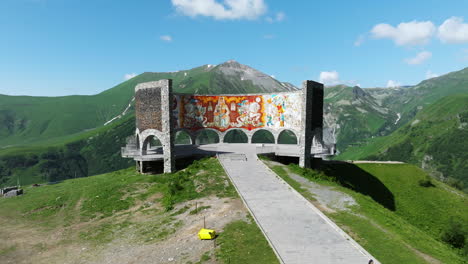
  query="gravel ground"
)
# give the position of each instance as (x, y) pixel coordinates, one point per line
(63, 246)
(328, 197)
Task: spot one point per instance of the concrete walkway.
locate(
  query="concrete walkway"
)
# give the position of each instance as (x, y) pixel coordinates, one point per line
(297, 231)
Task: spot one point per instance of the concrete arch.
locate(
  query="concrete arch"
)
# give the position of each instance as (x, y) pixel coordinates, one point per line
(256, 131)
(218, 133)
(147, 145)
(188, 132)
(146, 135)
(285, 131)
(246, 132)
(138, 138)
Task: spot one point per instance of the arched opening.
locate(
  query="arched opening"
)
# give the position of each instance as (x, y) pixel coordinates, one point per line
(206, 136)
(236, 136)
(137, 143)
(263, 136)
(182, 138)
(287, 137)
(152, 145)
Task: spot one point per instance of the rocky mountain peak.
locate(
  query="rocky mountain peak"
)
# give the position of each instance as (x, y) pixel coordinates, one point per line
(234, 65)
(358, 92)
(236, 71)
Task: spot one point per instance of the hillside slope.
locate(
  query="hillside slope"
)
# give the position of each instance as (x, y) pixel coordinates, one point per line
(123, 216)
(31, 127)
(352, 114)
(408, 101)
(387, 208)
(435, 140)
(89, 153)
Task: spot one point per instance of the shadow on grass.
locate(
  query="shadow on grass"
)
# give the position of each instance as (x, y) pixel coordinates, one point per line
(350, 176)
(157, 167)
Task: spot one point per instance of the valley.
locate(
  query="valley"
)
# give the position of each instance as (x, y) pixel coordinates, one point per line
(423, 126)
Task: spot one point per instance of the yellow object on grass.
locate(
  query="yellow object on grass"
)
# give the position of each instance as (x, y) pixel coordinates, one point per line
(206, 234)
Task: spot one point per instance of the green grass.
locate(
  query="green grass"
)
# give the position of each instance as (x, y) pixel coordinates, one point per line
(105, 195)
(183, 186)
(243, 242)
(396, 217)
(103, 206)
(92, 153)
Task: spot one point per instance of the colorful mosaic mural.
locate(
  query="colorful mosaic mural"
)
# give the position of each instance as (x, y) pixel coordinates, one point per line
(248, 112)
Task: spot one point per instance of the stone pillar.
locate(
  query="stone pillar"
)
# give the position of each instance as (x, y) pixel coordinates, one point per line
(167, 125)
(317, 112)
(249, 137)
(309, 123)
(153, 112)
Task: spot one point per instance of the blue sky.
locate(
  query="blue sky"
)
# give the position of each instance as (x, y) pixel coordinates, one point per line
(63, 47)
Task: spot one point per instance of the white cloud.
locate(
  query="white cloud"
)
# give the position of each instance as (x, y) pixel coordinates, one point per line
(420, 58)
(128, 76)
(410, 33)
(280, 16)
(359, 40)
(430, 74)
(166, 38)
(393, 84)
(329, 78)
(453, 30)
(229, 9)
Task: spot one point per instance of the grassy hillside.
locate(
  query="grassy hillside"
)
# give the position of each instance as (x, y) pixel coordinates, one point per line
(55, 138)
(355, 115)
(434, 140)
(397, 217)
(408, 101)
(89, 219)
(80, 155)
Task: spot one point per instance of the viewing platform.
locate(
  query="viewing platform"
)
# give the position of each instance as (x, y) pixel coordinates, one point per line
(182, 151)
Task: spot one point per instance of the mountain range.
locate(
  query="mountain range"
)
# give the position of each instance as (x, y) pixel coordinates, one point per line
(29, 120)
(78, 130)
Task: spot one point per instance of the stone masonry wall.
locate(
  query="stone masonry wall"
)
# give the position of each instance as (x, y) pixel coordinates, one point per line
(148, 109)
(312, 119)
